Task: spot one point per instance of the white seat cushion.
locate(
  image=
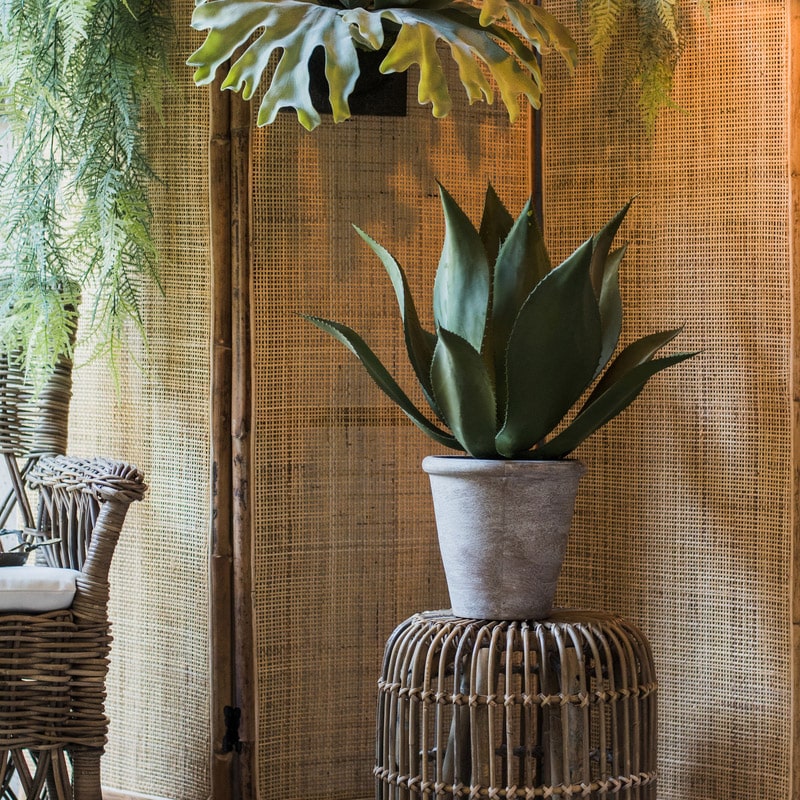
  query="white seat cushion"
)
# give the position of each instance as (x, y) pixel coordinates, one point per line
(36, 589)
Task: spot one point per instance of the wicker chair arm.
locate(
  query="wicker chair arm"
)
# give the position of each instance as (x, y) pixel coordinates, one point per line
(100, 477)
(98, 492)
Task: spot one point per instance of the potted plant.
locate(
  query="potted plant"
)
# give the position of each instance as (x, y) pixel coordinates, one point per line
(517, 344)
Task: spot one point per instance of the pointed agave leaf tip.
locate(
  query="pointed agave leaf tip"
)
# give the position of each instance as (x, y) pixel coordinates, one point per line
(603, 240)
(496, 223)
(615, 399)
(376, 370)
(420, 343)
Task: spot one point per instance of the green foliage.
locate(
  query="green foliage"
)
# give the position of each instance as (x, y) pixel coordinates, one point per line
(517, 342)
(74, 213)
(502, 36)
(653, 49)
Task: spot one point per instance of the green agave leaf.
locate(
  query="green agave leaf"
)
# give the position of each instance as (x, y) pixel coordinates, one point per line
(638, 352)
(521, 263)
(606, 406)
(552, 353)
(496, 224)
(610, 304)
(461, 287)
(297, 28)
(419, 342)
(353, 342)
(603, 240)
(463, 391)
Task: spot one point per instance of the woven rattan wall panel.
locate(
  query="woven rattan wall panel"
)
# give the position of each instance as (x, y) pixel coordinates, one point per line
(158, 685)
(344, 537)
(684, 520)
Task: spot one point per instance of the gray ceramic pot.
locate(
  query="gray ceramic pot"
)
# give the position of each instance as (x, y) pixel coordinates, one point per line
(503, 529)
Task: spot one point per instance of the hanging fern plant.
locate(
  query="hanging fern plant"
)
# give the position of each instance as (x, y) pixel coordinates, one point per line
(653, 47)
(74, 212)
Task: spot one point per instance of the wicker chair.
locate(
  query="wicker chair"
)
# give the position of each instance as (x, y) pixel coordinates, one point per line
(53, 663)
(31, 424)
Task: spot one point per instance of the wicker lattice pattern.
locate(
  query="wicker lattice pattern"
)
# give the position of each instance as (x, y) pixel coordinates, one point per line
(34, 422)
(53, 665)
(560, 708)
(343, 523)
(685, 519)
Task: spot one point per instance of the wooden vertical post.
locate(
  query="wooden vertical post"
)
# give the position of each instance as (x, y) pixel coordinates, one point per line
(231, 629)
(241, 419)
(221, 567)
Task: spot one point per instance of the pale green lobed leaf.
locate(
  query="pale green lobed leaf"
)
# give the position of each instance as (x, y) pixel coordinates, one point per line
(416, 44)
(297, 27)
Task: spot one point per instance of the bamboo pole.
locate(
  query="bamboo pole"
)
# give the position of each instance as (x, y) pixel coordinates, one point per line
(241, 410)
(221, 562)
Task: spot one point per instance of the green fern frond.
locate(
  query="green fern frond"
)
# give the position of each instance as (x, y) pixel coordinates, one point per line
(654, 52)
(74, 78)
(666, 12)
(603, 19)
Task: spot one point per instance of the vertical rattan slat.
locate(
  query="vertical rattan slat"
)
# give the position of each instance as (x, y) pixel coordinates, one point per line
(578, 674)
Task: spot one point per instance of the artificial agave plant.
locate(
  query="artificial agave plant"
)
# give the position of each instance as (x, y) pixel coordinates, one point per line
(504, 36)
(517, 342)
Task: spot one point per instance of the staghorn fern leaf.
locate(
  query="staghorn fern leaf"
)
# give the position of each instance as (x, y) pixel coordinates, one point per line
(297, 27)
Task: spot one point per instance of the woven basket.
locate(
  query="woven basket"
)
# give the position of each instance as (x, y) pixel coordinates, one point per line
(564, 707)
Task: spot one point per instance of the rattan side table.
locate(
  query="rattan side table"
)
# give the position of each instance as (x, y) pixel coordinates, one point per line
(563, 707)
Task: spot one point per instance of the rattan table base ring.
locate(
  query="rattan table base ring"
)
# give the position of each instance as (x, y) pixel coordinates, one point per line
(564, 707)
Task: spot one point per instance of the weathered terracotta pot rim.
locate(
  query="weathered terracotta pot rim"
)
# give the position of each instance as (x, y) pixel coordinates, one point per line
(449, 465)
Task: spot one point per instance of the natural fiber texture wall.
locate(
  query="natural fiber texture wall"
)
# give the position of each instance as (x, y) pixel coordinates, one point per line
(344, 536)
(158, 686)
(684, 520)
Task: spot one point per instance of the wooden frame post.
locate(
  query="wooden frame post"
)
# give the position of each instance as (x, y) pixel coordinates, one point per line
(231, 633)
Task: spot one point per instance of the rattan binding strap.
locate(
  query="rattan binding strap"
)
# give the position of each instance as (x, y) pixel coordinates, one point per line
(53, 665)
(564, 707)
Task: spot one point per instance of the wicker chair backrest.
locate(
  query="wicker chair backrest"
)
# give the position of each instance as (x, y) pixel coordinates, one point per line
(33, 423)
